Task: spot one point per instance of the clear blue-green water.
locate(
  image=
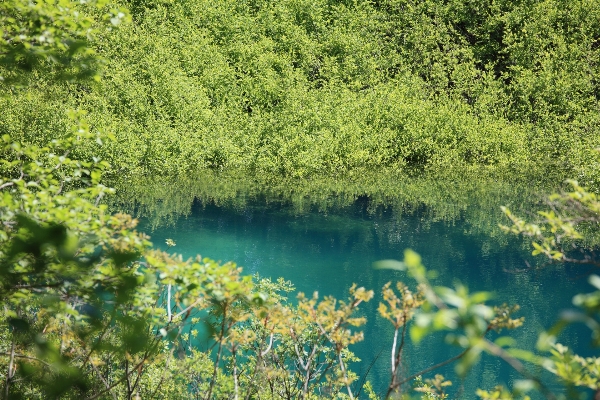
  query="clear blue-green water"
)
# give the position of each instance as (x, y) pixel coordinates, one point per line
(328, 251)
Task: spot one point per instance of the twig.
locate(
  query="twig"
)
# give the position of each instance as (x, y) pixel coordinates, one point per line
(127, 373)
(27, 358)
(103, 392)
(498, 351)
(188, 308)
(10, 373)
(394, 354)
(364, 377)
(397, 356)
(235, 373)
(264, 353)
(345, 375)
(307, 370)
(436, 366)
(98, 198)
(104, 381)
(104, 330)
(169, 316)
(167, 363)
(218, 359)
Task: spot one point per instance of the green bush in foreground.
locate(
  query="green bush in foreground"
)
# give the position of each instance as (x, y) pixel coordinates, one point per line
(92, 311)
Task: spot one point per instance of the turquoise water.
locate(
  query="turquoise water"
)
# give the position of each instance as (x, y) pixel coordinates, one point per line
(328, 251)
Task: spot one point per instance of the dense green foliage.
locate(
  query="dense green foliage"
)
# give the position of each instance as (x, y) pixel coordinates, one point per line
(293, 89)
(52, 39)
(300, 89)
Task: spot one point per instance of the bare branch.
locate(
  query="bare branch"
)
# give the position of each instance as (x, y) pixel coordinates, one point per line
(117, 383)
(5, 185)
(264, 353)
(114, 396)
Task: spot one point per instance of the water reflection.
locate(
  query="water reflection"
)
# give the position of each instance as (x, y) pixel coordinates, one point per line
(325, 245)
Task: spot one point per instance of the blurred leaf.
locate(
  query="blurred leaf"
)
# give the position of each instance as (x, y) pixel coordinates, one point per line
(390, 264)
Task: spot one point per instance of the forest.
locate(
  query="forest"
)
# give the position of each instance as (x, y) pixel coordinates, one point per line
(106, 101)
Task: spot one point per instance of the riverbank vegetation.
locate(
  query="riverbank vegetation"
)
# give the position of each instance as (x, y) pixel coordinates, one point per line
(312, 89)
(290, 91)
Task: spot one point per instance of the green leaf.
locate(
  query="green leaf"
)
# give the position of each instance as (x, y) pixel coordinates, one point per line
(412, 259)
(390, 264)
(417, 333)
(594, 280)
(505, 341)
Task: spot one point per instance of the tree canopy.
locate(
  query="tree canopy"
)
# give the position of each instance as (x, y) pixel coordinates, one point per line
(302, 89)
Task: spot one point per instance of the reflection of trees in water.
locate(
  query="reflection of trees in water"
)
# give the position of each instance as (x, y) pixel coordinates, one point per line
(475, 199)
(326, 247)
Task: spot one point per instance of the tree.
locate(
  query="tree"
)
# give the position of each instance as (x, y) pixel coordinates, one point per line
(52, 38)
(568, 231)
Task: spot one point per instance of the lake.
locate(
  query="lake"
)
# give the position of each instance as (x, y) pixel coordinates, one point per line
(326, 244)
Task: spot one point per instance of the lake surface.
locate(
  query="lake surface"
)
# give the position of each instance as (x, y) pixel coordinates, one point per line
(327, 249)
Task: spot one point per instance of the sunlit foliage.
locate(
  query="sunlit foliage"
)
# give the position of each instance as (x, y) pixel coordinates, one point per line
(306, 89)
